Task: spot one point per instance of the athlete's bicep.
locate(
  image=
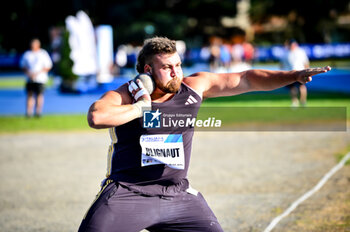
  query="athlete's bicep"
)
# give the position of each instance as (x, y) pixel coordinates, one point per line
(112, 98)
(222, 84)
(116, 97)
(112, 109)
(219, 84)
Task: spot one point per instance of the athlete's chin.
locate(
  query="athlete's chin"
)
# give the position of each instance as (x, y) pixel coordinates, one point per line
(173, 86)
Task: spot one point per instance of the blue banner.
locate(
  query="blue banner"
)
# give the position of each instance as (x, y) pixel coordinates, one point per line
(313, 51)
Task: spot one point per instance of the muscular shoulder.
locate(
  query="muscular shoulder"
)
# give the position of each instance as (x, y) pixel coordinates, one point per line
(119, 96)
(199, 81)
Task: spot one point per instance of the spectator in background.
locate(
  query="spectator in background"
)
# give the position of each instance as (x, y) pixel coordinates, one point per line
(121, 59)
(225, 56)
(249, 51)
(237, 53)
(214, 58)
(36, 63)
(56, 46)
(296, 59)
(242, 56)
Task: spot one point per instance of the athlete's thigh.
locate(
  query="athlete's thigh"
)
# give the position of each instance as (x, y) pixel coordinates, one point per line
(97, 209)
(187, 212)
(119, 210)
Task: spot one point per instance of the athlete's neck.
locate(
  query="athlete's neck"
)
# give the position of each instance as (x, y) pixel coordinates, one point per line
(159, 96)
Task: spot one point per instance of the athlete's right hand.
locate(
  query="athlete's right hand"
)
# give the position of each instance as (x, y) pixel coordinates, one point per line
(140, 95)
(138, 91)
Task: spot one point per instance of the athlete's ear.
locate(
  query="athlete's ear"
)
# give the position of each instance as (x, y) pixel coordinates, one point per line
(148, 69)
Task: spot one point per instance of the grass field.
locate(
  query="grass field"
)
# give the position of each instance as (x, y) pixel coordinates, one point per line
(17, 124)
(16, 82)
(12, 82)
(265, 107)
(275, 108)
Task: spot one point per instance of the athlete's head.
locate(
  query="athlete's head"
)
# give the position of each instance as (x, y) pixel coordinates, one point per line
(159, 58)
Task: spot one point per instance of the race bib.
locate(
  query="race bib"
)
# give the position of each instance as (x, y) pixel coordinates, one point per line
(163, 149)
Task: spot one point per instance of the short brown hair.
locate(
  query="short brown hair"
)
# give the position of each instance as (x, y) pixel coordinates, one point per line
(154, 46)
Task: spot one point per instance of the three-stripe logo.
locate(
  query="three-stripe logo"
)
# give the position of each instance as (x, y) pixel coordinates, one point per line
(191, 100)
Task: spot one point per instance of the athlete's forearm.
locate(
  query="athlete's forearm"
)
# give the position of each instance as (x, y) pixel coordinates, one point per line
(229, 84)
(265, 80)
(105, 116)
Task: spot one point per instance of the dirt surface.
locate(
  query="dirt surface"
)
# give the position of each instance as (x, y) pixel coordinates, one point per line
(48, 180)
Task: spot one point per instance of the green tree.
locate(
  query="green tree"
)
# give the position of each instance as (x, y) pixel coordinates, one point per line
(65, 65)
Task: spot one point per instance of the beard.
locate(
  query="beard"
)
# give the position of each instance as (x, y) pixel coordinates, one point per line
(171, 86)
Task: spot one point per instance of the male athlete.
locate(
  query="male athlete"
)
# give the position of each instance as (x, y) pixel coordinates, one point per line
(147, 189)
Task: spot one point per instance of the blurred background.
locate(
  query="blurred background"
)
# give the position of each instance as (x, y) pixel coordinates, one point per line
(50, 179)
(94, 44)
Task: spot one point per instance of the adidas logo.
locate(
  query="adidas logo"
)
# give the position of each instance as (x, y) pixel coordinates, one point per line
(191, 100)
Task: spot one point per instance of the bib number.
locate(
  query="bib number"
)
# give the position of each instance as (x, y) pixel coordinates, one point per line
(163, 149)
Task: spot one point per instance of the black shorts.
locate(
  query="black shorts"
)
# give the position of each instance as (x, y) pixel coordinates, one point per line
(118, 208)
(35, 88)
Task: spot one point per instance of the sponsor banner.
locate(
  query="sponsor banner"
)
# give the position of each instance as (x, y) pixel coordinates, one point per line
(313, 51)
(248, 119)
(275, 52)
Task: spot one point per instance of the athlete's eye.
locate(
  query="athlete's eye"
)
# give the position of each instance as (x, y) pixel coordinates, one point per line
(167, 68)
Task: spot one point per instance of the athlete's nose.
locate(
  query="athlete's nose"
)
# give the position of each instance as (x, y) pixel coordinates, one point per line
(173, 73)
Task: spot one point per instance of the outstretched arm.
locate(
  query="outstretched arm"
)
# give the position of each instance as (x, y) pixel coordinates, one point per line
(228, 84)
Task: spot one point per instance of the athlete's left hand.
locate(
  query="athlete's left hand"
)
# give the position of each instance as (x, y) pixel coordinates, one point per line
(305, 75)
